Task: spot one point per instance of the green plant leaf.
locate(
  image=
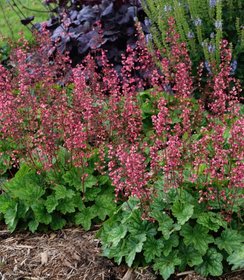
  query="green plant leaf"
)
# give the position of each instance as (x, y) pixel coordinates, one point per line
(57, 222)
(134, 244)
(33, 225)
(189, 256)
(236, 259)
(104, 180)
(40, 212)
(63, 192)
(152, 248)
(84, 217)
(212, 264)
(230, 240)
(92, 193)
(212, 221)
(116, 234)
(173, 241)
(22, 210)
(66, 205)
(90, 181)
(197, 236)
(166, 224)
(10, 217)
(73, 179)
(6, 202)
(51, 203)
(78, 201)
(182, 211)
(26, 188)
(166, 265)
(104, 204)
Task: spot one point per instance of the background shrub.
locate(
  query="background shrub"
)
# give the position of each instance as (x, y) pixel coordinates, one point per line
(202, 25)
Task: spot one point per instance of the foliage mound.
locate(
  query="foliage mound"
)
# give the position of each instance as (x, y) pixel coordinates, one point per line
(202, 25)
(81, 26)
(175, 163)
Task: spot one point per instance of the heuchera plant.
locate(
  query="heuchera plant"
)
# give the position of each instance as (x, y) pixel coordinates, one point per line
(178, 160)
(82, 26)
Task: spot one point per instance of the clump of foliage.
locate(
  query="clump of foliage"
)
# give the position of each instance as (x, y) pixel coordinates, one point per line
(178, 234)
(202, 25)
(81, 26)
(56, 198)
(175, 161)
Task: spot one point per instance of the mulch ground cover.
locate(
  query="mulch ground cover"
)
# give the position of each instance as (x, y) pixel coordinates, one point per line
(69, 254)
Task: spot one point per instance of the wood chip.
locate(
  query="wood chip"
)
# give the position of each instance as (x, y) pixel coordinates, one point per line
(44, 258)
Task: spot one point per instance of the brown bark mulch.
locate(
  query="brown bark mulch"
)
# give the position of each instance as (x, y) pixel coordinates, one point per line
(69, 254)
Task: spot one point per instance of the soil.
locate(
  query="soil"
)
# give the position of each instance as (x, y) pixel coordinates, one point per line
(69, 254)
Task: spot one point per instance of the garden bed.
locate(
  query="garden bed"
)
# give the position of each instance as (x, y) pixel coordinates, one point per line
(68, 254)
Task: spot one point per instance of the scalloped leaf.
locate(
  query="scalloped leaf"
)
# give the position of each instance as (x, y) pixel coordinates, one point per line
(212, 264)
(230, 240)
(212, 221)
(134, 244)
(197, 236)
(63, 192)
(166, 224)
(166, 265)
(51, 203)
(182, 211)
(152, 248)
(33, 225)
(85, 217)
(172, 242)
(236, 259)
(189, 256)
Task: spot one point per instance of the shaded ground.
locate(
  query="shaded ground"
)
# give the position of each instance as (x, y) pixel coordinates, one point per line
(68, 254)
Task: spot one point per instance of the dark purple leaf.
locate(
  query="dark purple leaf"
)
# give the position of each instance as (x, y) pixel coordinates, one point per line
(108, 11)
(27, 20)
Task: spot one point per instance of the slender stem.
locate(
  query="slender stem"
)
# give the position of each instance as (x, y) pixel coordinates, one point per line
(6, 20)
(32, 10)
(12, 7)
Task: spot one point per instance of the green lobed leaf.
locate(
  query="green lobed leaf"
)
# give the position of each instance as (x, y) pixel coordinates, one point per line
(10, 217)
(85, 217)
(63, 192)
(166, 265)
(33, 225)
(189, 256)
(152, 248)
(134, 244)
(22, 210)
(172, 242)
(236, 259)
(212, 221)
(40, 212)
(6, 202)
(104, 204)
(182, 211)
(57, 222)
(197, 236)
(92, 193)
(230, 240)
(212, 264)
(90, 181)
(51, 203)
(116, 234)
(72, 178)
(66, 205)
(166, 224)
(26, 188)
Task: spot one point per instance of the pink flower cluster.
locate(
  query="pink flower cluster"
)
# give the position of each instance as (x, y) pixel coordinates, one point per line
(45, 105)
